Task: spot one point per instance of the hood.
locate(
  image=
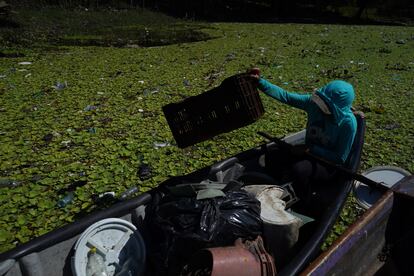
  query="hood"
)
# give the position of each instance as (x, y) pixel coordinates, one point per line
(338, 95)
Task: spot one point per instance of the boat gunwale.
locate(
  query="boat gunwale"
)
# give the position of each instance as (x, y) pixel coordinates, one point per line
(70, 230)
(365, 223)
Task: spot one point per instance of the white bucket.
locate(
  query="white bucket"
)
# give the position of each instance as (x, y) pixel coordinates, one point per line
(117, 241)
(387, 175)
(280, 228)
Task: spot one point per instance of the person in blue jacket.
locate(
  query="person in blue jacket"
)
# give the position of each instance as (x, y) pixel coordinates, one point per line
(331, 126)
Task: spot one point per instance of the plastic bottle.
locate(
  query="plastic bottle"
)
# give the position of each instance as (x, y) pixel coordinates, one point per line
(96, 265)
(129, 192)
(8, 183)
(66, 200)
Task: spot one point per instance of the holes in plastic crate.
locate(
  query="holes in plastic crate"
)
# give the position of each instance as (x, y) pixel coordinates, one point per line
(187, 127)
(199, 121)
(237, 105)
(212, 115)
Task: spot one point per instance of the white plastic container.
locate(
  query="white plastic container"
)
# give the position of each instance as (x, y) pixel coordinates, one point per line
(387, 175)
(117, 242)
(280, 228)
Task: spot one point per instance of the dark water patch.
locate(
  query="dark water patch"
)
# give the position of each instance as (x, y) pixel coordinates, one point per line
(51, 48)
(11, 54)
(138, 38)
(8, 23)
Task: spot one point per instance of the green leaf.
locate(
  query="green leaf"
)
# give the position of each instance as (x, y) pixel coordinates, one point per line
(32, 212)
(21, 220)
(5, 236)
(33, 194)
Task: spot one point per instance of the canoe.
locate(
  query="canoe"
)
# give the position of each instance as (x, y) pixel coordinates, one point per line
(52, 253)
(380, 242)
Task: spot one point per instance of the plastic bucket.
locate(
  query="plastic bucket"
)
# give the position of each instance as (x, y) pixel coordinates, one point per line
(388, 175)
(117, 241)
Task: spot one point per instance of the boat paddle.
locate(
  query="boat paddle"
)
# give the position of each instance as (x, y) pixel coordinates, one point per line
(344, 171)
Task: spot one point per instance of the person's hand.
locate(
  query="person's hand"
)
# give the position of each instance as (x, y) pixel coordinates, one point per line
(254, 73)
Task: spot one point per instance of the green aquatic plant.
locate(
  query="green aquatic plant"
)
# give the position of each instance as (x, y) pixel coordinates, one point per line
(94, 114)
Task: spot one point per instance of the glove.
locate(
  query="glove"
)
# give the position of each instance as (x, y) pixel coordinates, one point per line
(254, 73)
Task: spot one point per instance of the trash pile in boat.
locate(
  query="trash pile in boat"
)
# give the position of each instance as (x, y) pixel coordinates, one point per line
(214, 226)
(202, 228)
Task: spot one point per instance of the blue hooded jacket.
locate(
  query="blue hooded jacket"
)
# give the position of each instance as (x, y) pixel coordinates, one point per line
(328, 136)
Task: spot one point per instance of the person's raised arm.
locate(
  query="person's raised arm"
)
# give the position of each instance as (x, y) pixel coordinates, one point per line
(293, 99)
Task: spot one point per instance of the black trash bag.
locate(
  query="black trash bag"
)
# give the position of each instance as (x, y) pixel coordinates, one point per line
(184, 225)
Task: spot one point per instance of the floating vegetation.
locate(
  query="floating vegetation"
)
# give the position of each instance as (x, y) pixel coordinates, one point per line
(90, 118)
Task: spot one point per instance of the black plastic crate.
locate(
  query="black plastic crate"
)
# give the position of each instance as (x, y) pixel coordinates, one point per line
(233, 104)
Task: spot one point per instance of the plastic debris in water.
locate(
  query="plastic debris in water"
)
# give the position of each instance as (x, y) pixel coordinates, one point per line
(56, 134)
(48, 137)
(90, 108)
(25, 63)
(391, 126)
(396, 77)
(128, 193)
(158, 145)
(186, 82)
(36, 178)
(144, 172)
(4, 182)
(66, 200)
(230, 57)
(151, 91)
(66, 142)
(92, 130)
(60, 86)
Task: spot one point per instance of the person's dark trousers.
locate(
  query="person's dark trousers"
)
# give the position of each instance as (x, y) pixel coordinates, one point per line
(303, 172)
(306, 173)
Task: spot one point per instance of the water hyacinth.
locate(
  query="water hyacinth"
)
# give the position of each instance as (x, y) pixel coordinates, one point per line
(118, 134)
